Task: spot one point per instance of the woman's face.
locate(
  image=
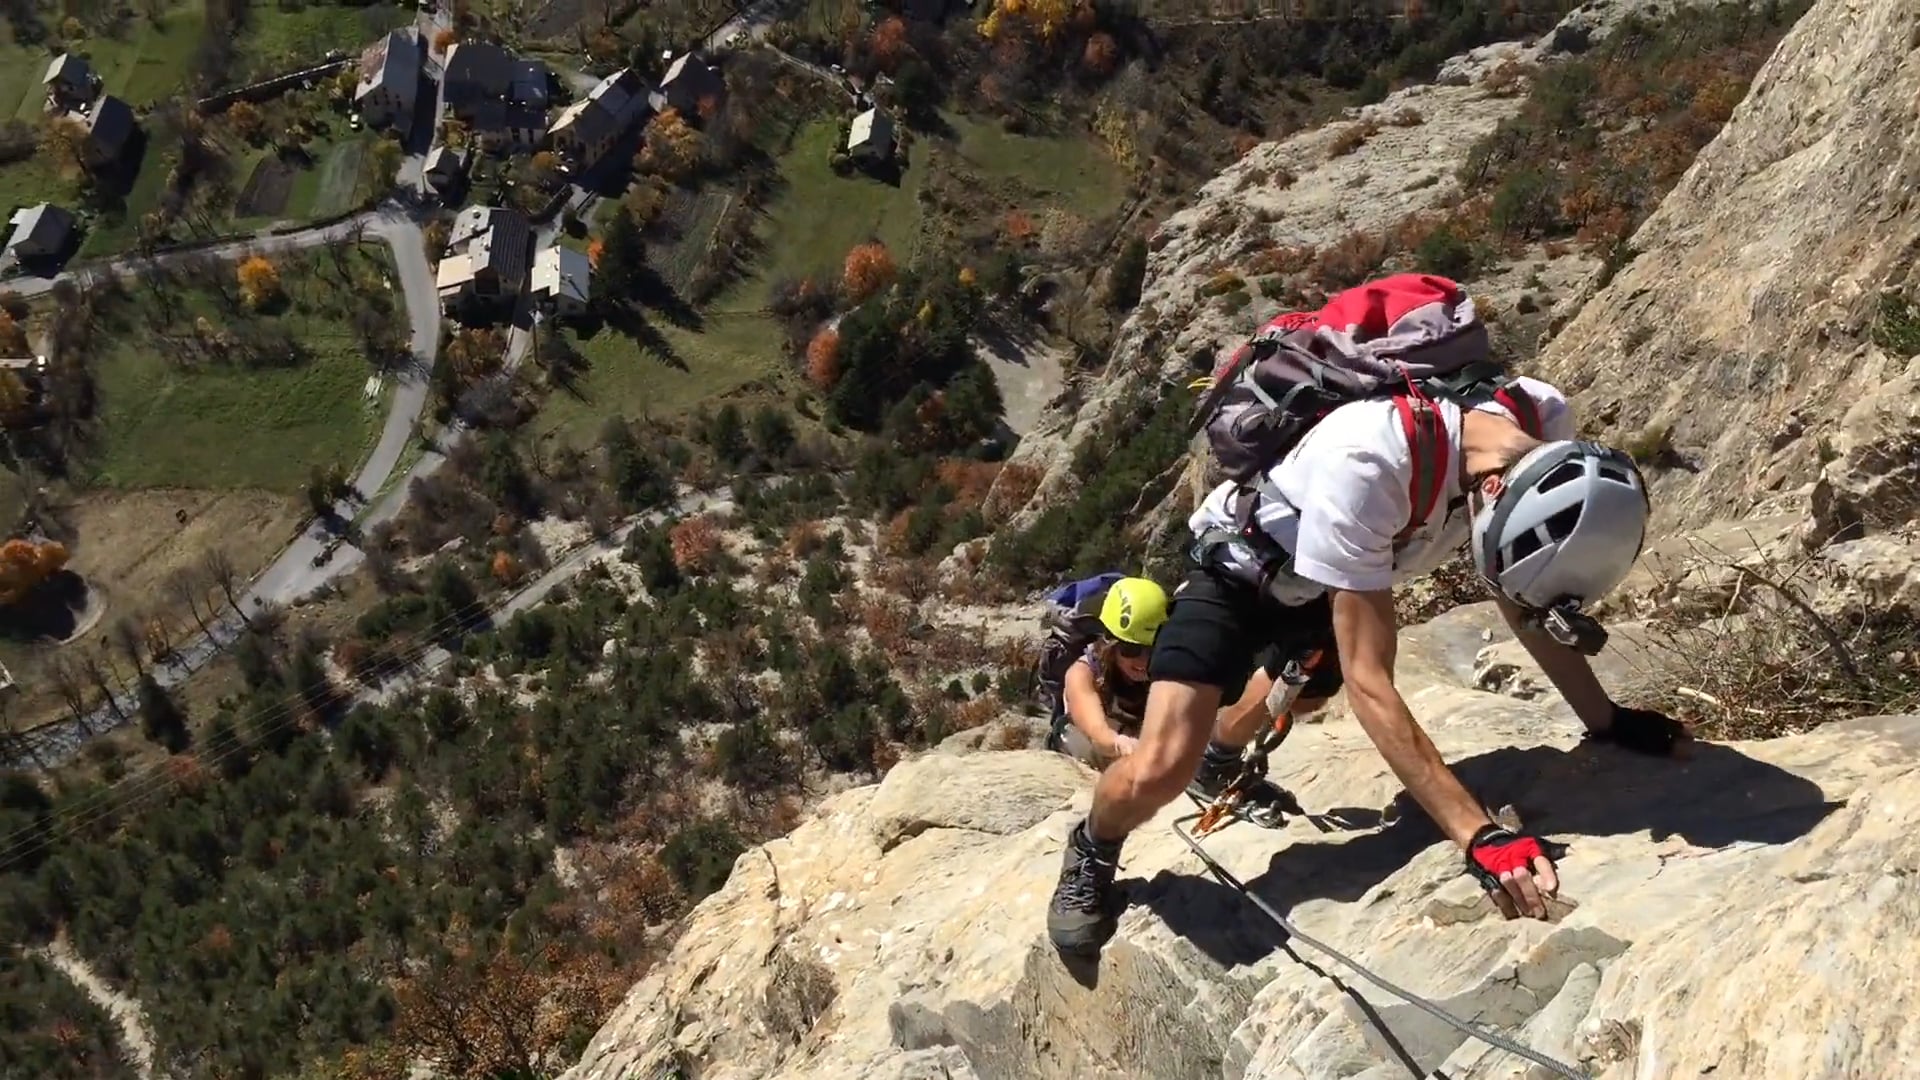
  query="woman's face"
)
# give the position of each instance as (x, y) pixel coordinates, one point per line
(1132, 662)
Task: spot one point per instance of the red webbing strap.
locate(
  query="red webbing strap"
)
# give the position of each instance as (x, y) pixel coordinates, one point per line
(1426, 433)
(1525, 411)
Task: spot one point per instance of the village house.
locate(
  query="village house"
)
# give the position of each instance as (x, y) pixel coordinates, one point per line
(588, 128)
(691, 87)
(501, 97)
(485, 266)
(445, 168)
(39, 233)
(561, 281)
(870, 139)
(390, 81)
(110, 125)
(70, 82)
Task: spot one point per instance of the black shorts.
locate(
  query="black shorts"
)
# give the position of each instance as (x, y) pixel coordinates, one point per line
(1218, 630)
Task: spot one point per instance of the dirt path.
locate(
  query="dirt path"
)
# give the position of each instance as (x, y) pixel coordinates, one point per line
(1028, 372)
(135, 1039)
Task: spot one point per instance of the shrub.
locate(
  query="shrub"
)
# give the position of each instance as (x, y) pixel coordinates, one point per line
(1222, 283)
(1352, 137)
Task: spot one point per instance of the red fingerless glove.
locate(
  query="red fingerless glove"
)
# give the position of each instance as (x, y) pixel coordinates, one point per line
(1495, 851)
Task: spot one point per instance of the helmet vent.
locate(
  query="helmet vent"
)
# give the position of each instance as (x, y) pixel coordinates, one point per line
(1560, 526)
(1566, 472)
(1526, 544)
(1615, 474)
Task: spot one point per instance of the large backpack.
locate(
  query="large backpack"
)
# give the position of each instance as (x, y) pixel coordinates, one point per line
(1408, 337)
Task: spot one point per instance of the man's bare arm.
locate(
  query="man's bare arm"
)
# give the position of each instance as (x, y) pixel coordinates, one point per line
(1364, 630)
(1569, 671)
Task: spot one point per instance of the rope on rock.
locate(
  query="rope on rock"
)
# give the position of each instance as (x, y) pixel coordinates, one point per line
(1465, 1027)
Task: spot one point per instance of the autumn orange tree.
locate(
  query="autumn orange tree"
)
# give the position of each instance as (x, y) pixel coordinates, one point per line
(823, 359)
(869, 268)
(506, 568)
(246, 120)
(673, 146)
(63, 142)
(502, 1014)
(1044, 17)
(25, 564)
(259, 281)
(13, 336)
(13, 396)
(889, 42)
(695, 542)
(1101, 55)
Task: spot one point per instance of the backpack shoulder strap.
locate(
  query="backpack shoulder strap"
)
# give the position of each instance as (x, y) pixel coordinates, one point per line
(1426, 432)
(1526, 411)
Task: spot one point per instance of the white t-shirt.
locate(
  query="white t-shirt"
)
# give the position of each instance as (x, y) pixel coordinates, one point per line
(1346, 497)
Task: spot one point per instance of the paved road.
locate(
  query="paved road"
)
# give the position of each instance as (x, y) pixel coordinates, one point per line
(265, 243)
(294, 573)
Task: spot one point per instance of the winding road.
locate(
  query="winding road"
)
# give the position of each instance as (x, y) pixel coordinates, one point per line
(294, 574)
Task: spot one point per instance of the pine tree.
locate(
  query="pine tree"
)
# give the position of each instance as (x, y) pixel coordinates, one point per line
(161, 718)
(623, 259)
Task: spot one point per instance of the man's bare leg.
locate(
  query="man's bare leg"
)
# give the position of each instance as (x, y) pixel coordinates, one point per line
(1238, 724)
(1086, 906)
(1172, 736)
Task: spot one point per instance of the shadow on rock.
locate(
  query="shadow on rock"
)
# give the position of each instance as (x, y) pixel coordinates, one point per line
(1718, 797)
(1216, 919)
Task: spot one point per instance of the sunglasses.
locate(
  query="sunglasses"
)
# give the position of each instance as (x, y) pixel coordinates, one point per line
(1129, 651)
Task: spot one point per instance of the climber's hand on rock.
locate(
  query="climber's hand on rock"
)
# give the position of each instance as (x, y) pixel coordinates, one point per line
(1516, 870)
(1645, 731)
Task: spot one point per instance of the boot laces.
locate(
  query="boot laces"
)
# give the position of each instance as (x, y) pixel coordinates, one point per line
(1085, 887)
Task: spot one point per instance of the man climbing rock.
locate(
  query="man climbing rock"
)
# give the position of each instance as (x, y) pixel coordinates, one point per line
(1407, 443)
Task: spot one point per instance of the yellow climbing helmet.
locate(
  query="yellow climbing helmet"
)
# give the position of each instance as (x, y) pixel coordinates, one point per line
(1134, 609)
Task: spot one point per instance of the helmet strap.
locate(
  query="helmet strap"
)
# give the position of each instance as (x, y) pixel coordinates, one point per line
(1568, 626)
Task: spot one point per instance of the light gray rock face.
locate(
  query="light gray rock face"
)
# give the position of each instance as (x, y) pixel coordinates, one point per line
(1744, 322)
(1751, 912)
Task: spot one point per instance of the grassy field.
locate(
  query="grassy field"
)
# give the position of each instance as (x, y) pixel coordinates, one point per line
(807, 230)
(1070, 171)
(25, 183)
(330, 186)
(820, 215)
(220, 426)
(277, 39)
(113, 232)
(696, 216)
(141, 61)
(729, 352)
(128, 543)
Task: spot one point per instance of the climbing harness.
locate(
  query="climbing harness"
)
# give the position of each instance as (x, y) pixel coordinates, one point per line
(1254, 768)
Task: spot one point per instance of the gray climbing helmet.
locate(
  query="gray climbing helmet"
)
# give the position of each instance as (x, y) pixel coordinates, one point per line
(1567, 527)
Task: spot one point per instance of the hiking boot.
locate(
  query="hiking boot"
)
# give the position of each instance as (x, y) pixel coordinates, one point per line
(1086, 906)
(1263, 802)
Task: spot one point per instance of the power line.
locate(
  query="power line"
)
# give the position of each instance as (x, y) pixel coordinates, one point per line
(109, 801)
